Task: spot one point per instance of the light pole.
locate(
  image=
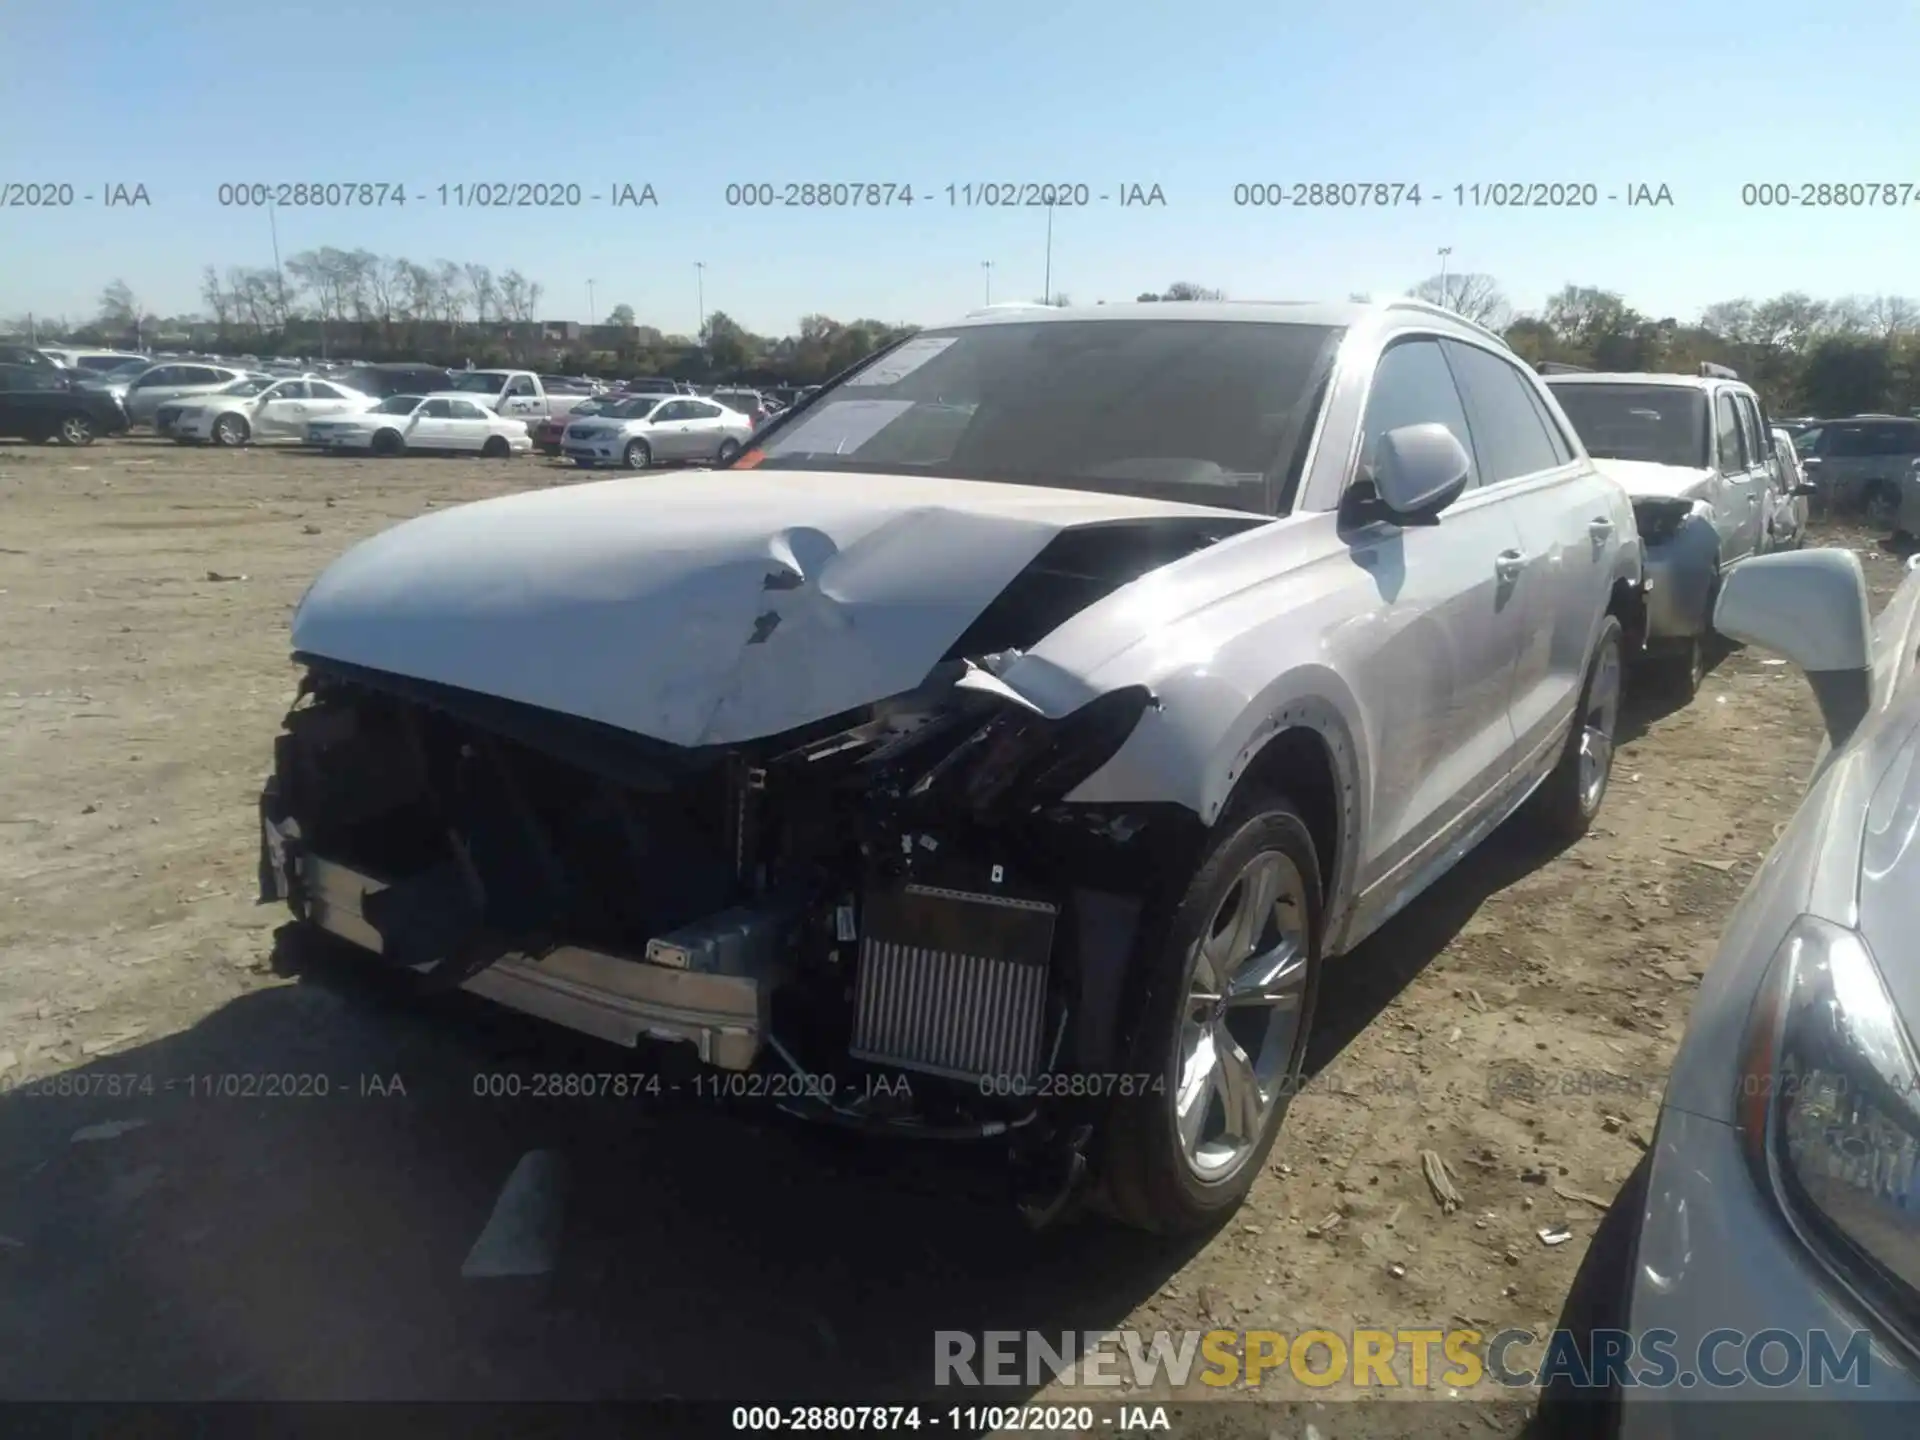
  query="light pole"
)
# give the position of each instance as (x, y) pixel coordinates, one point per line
(1445, 251)
(591, 312)
(1046, 293)
(700, 280)
(987, 266)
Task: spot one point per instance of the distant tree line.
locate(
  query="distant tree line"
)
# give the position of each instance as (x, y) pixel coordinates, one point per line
(1806, 355)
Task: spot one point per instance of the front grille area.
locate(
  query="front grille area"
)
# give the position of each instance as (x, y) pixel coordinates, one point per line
(953, 983)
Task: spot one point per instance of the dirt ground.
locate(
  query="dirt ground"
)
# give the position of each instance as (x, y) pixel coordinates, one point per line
(1518, 1021)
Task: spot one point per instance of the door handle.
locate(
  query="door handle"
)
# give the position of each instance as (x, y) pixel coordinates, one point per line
(1508, 564)
(1600, 528)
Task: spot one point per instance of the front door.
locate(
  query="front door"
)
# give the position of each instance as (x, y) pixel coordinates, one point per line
(282, 409)
(1736, 496)
(1436, 681)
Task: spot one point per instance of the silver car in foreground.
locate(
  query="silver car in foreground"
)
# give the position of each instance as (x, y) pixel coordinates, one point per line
(1781, 1194)
(1001, 748)
(651, 429)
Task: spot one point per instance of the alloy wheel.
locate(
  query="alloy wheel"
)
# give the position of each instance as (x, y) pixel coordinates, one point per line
(1600, 722)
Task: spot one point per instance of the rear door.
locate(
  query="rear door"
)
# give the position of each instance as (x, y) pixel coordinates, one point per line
(1435, 683)
(468, 426)
(1762, 472)
(1564, 512)
(282, 410)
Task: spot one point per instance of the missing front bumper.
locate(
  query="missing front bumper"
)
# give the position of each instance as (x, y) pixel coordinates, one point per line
(723, 1016)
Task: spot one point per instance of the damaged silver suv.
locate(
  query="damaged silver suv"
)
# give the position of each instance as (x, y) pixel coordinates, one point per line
(1023, 722)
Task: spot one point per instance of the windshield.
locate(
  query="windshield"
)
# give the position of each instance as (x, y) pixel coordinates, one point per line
(397, 405)
(625, 409)
(1202, 411)
(480, 382)
(244, 387)
(1660, 424)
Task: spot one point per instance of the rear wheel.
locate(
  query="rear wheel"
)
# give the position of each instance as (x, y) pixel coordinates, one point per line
(77, 430)
(1228, 1005)
(496, 448)
(388, 442)
(231, 430)
(1569, 798)
(728, 449)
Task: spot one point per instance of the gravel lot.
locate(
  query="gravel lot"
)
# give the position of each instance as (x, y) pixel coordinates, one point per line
(1518, 1020)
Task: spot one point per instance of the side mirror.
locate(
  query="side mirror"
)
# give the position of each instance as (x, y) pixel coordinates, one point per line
(1419, 470)
(1811, 607)
(1805, 491)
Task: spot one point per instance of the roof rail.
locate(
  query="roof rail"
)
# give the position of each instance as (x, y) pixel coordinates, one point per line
(1560, 367)
(1718, 372)
(1427, 307)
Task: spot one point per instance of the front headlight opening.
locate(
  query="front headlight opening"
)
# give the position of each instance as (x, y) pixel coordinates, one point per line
(1829, 1115)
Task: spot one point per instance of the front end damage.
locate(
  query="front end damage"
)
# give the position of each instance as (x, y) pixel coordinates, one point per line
(894, 910)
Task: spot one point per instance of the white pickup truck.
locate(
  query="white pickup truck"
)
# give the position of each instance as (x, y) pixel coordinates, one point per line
(515, 394)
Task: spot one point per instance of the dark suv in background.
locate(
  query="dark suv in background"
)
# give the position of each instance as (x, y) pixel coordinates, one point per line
(41, 403)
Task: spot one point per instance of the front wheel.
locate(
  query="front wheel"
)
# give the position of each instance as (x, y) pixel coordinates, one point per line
(77, 430)
(1570, 796)
(230, 430)
(1228, 1005)
(388, 442)
(639, 455)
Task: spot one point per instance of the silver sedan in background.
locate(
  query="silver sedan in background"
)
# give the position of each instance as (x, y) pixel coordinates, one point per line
(1771, 1238)
(652, 429)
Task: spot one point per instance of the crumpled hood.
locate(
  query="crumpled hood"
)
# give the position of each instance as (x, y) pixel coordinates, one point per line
(1642, 477)
(698, 608)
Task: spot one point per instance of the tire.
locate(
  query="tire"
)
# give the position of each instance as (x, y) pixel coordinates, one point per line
(1598, 1299)
(496, 448)
(230, 431)
(728, 449)
(639, 455)
(1156, 1174)
(1568, 799)
(388, 442)
(77, 430)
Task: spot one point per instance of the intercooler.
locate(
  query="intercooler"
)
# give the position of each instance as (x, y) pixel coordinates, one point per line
(953, 983)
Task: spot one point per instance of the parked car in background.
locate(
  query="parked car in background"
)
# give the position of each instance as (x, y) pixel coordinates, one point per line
(95, 361)
(37, 403)
(1785, 524)
(653, 385)
(30, 356)
(749, 403)
(1068, 731)
(547, 431)
(1861, 463)
(277, 410)
(649, 430)
(175, 380)
(1695, 453)
(115, 382)
(1778, 1191)
(383, 380)
(515, 394)
(403, 423)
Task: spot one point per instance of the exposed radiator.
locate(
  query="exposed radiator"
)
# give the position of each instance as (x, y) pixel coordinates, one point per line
(953, 983)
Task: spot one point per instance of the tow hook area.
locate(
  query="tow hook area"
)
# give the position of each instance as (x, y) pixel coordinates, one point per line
(1050, 1177)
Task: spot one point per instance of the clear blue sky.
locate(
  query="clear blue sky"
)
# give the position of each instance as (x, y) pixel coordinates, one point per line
(1194, 97)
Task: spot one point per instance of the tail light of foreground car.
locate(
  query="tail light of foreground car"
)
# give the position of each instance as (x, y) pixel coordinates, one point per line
(1828, 1109)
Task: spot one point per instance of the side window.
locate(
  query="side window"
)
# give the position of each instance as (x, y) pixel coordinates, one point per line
(437, 410)
(1507, 431)
(1413, 386)
(160, 375)
(1556, 437)
(521, 386)
(292, 390)
(1759, 449)
(466, 410)
(1728, 436)
(320, 390)
(706, 412)
(672, 410)
(1896, 440)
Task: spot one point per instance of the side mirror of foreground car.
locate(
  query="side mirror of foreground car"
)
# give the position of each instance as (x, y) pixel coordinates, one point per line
(1811, 607)
(1806, 492)
(1417, 471)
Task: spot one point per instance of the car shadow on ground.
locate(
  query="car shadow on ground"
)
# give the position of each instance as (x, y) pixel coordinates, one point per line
(280, 1202)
